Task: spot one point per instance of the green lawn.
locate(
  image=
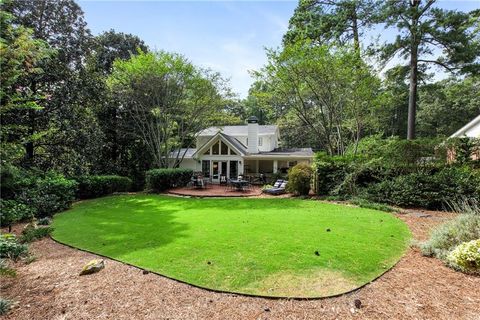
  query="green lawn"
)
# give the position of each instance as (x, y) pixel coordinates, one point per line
(276, 247)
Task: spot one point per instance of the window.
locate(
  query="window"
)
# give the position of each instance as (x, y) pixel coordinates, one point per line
(233, 169)
(233, 153)
(216, 148)
(260, 141)
(206, 168)
(224, 148)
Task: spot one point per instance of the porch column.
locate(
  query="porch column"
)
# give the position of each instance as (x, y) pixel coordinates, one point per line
(275, 166)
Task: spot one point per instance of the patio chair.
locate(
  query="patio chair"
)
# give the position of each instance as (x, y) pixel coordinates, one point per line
(229, 185)
(277, 188)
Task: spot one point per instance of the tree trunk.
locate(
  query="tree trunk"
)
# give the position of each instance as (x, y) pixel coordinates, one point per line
(356, 38)
(412, 95)
(412, 99)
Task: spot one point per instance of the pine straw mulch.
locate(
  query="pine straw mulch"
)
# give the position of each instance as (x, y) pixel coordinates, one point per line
(416, 288)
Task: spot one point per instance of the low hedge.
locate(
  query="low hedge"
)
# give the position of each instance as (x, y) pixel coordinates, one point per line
(97, 186)
(426, 189)
(428, 184)
(163, 179)
(47, 195)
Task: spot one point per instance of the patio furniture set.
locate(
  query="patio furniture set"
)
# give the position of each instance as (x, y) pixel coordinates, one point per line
(198, 181)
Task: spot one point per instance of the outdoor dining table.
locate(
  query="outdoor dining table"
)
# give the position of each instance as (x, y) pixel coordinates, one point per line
(240, 184)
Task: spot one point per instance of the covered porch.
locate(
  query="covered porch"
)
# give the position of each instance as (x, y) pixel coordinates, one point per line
(268, 167)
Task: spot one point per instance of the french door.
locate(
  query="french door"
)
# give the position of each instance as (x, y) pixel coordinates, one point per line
(219, 168)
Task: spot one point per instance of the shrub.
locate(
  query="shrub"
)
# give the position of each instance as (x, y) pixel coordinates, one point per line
(395, 152)
(330, 172)
(97, 186)
(299, 178)
(432, 190)
(12, 211)
(163, 179)
(5, 270)
(446, 237)
(466, 257)
(48, 195)
(32, 234)
(266, 187)
(44, 221)
(4, 306)
(10, 248)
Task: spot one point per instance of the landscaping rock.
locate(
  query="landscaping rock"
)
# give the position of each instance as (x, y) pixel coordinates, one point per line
(145, 272)
(93, 267)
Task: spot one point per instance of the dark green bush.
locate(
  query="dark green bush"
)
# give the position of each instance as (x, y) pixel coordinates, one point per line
(395, 152)
(299, 179)
(426, 189)
(48, 195)
(97, 186)
(163, 179)
(12, 211)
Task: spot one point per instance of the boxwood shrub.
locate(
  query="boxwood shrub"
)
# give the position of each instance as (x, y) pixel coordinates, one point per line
(299, 179)
(97, 186)
(163, 179)
(47, 195)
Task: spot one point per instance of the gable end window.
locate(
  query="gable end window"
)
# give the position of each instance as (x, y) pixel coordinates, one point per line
(260, 141)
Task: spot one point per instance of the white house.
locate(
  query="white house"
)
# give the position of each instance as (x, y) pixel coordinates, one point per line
(246, 149)
(470, 130)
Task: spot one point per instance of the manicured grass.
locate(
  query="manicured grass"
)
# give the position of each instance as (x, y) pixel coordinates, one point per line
(277, 247)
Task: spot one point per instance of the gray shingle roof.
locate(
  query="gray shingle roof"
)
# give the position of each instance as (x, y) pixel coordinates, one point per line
(237, 144)
(238, 130)
(298, 152)
(189, 154)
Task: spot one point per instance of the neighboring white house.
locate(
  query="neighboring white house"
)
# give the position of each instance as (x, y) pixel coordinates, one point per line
(249, 149)
(470, 130)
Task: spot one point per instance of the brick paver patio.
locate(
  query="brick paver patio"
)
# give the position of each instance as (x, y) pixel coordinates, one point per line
(215, 190)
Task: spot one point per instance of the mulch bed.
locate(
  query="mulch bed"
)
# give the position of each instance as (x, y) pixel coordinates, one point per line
(416, 288)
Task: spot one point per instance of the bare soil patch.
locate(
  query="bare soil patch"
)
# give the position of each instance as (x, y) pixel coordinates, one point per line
(416, 288)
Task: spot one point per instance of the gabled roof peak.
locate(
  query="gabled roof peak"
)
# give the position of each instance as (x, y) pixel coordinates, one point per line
(240, 130)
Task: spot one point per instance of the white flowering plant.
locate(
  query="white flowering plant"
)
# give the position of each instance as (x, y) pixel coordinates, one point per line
(466, 257)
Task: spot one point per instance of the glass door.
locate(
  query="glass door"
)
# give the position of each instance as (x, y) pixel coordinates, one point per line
(233, 170)
(223, 172)
(215, 172)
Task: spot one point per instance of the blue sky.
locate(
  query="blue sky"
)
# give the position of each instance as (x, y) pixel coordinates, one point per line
(226, 36)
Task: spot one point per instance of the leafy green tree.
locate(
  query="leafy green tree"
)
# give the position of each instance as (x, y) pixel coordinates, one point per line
(447, 105)
(331, 91)
(324, 21)
(112, 45)
(168, 98)
(430, 35)
(116, 145)
(65, 131)
(20, 58)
